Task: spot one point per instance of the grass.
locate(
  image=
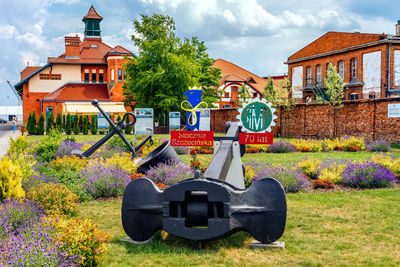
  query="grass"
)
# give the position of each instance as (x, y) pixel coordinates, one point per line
(358, 228)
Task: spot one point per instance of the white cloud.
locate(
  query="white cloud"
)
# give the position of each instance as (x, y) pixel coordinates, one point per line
(7, 32)
(29, 57)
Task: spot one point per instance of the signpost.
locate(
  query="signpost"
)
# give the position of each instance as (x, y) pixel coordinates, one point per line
(192, 138)
(102, 122)
(144, 121)
(204, 119)
(174, 121)
(393, 110)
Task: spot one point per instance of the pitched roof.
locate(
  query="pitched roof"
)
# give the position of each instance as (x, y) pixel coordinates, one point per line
(79, 92)
(333, 41)
(232, 72)
(92, 14)
(119, 50)
(28, 71)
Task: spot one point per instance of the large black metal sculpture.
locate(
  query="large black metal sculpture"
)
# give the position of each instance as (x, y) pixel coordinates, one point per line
(207, 207)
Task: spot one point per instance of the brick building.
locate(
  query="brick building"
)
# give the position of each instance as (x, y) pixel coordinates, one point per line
(368, 63)
(234, 77)
(89, 69)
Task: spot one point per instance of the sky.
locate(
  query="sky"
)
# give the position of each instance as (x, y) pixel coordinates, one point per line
(258, 35)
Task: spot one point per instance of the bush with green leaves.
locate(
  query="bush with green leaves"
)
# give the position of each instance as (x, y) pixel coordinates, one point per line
(85, 128)
(40, 127)
(68, 124)
(10, 180)
(47, 147)
(18, 146)
(77, 130)
(93, 125)
(31, 127)
(59, 123)
(128, 129)
(80, 123)
(50, 123)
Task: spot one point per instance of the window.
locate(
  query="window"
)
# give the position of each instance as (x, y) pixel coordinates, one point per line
(44, 76)
(94, 79)
(318, 75)
(308, 99)
(86, 76)
(226, 95)
(372, 96)
(101, 76)
(353, 64)
(119, 75)
(252, 81)
(254, 95)
(112, 75)
(234, 89)
(341, 69)
(353, 96)
(308, 77)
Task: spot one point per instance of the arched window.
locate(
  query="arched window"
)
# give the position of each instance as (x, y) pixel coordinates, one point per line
(341, 69)
(308, 77)
(318, 75)
(353, 65)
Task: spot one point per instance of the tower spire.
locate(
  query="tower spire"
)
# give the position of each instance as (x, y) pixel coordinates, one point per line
(92, 23)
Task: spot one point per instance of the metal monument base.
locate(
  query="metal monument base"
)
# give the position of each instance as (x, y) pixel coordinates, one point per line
(130, 240)
(275, 245)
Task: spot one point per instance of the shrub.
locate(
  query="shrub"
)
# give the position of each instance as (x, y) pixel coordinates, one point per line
(18, 215)
(291, 179)
(66, 147)
(367, 175)
(18, 146)
(251, 150)
(331, 170)
(249, 175)
(93, 125)
(40, 127)
(36, 247)
(68, 122)
(82, 238)
(310, 167)
(308, 145)
(10, 180)
(80, 123)
(76, 128)
(47, 147)
(104, 181)
(85, 128)
(388, 161)
(281, 146)
(59, 123)
(170, 173)
(123, 161)
(31, 128)
(349, 143)
(50, 123)
(116, 142)
(325, 184)
(379, 146)
(128, 129)
(56, 199)
(181, 150)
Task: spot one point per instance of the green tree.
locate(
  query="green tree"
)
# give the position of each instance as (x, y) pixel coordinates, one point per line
(128, 129)
(335, 91)
(80, 123)
(68, 124)
(34, 123)
(50, 123)
(166, 67)
(59, 123)
(85, 128)
(93, 125)
(76, 129)
(40, 127)
(270, 93)
(29, 124)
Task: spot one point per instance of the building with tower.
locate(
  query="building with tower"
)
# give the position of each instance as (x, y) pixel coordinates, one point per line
(88, 69)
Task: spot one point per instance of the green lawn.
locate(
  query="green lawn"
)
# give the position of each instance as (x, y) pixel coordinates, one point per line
(358, 228)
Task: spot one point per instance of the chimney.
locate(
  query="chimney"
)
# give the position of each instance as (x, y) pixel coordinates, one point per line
(398, 28)
(72, 46)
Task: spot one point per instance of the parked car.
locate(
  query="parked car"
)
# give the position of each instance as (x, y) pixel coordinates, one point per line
(3, 121)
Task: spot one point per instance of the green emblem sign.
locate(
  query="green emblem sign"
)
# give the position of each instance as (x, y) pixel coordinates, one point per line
(257, 116)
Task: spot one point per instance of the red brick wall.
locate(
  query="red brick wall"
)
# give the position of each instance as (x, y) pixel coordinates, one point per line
(219, 117)
(366, 118)
(31, 103)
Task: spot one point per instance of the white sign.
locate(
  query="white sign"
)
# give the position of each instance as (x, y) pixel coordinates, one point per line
(394, 110)
(174, 121)
(204, 119)
(144, 121)
(102, 123)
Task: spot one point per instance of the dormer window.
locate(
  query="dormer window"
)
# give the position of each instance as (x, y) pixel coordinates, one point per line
(93, 46)
(252, 80)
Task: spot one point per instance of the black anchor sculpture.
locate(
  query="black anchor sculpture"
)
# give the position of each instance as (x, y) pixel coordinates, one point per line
(206, 207)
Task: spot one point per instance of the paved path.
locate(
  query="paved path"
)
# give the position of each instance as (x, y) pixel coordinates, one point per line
(5, 133)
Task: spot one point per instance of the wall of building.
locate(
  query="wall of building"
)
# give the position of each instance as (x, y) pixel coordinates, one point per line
(69, 73)
(363, 118)
(113, 64)
(219, 117)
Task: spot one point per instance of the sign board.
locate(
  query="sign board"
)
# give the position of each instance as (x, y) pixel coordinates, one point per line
(192, 138)
(174, 121)
(144, 121)
(394, 110)
(204, 119)
(102, 123)
(256, 138)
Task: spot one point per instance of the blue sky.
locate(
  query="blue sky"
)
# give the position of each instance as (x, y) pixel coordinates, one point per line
(258, 35)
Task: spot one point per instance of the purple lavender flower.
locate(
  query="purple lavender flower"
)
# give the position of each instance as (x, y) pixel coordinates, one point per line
(104, 181)
(281, 146)
(35, 246)
(66, 147)
(367, 175)
(290, 178)
(181, 150)
(378, 146)
(170, 172)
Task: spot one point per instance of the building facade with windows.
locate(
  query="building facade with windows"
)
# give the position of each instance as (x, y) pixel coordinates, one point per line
(369, 65)
(235, 78)
(89, 69)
